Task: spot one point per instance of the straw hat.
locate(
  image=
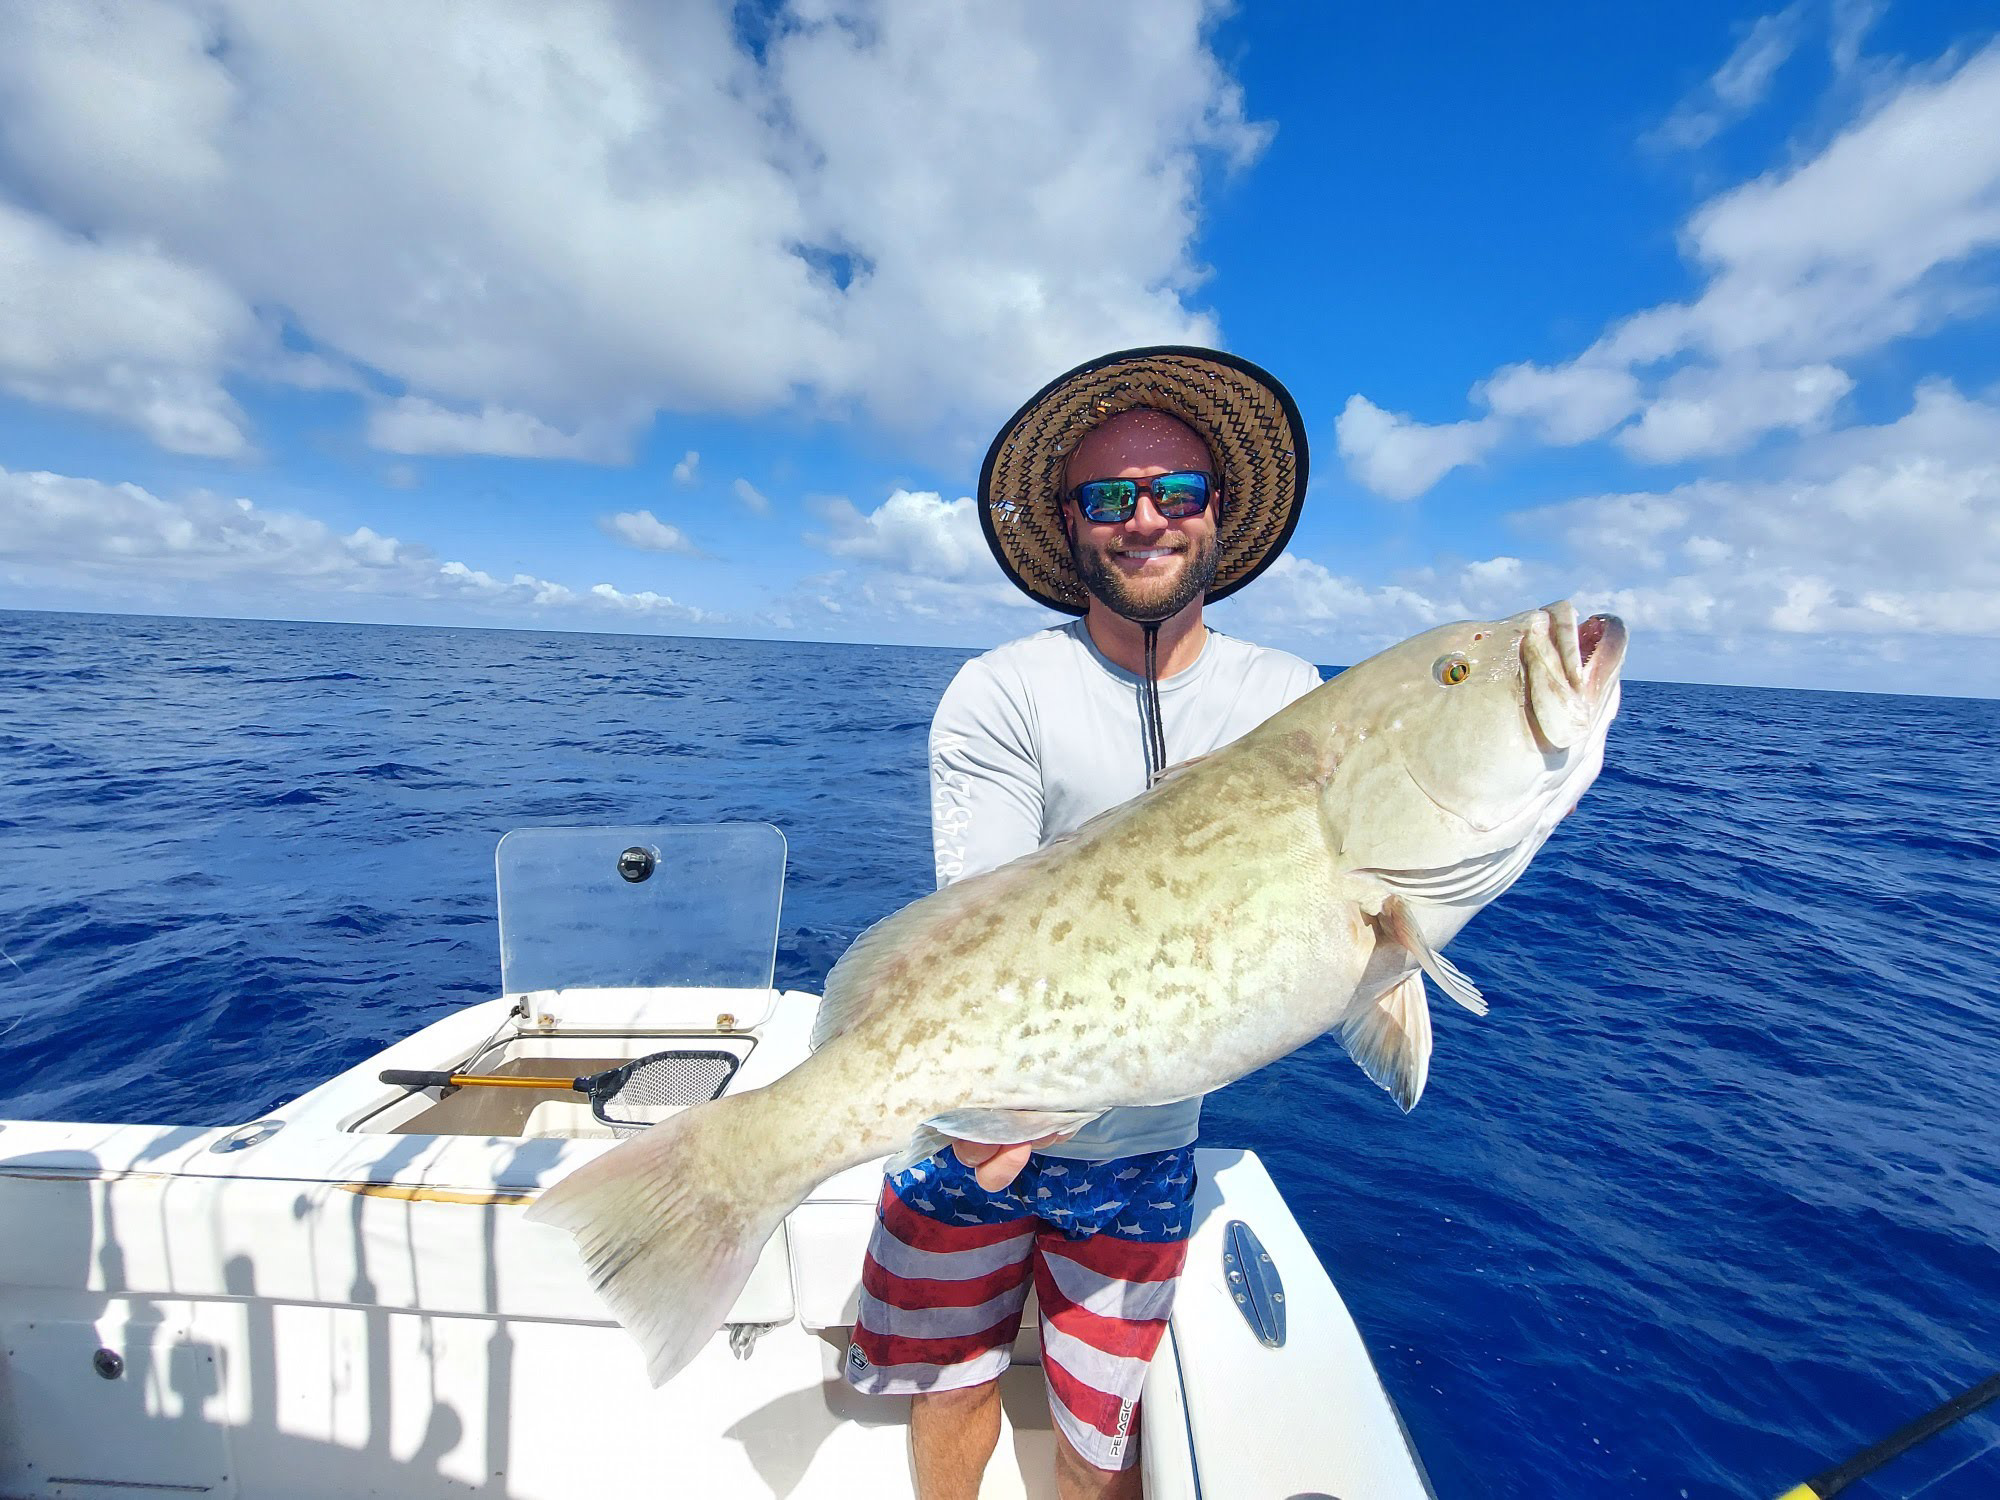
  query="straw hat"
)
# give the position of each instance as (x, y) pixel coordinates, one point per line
(1248, 420)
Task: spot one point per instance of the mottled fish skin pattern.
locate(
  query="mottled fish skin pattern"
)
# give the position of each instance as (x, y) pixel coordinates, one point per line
(1297, 881)
(1225, 918)
(1169, 948)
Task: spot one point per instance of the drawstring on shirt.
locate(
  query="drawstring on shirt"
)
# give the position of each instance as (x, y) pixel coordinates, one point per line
(1150, 722)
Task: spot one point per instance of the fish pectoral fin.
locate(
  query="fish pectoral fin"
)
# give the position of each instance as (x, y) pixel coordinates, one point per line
(1008, 1127)
(1399, 924)
(1390, 1038)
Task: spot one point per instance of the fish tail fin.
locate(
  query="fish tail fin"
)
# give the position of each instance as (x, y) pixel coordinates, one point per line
(1390, 1037)
(671, 1222)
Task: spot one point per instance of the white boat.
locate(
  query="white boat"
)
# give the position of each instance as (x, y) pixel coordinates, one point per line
(342, 1298)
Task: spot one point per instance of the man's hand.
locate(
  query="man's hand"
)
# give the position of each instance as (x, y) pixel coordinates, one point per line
(996, 1166)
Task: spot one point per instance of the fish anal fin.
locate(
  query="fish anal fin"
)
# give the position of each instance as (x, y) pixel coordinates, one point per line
(1389, 1037)
(1399, 925)
(924, 1143)
(989, 1127)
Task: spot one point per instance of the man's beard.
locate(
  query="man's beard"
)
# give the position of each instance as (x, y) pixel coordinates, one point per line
(1136, 598)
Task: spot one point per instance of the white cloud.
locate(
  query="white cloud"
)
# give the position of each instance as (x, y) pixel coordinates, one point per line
(1851, 249)
(1885, 233)
(752, 498)
(525, 591)
(1400, 458)
(1852, 20)
(918, 533)
(122, 528)
(1942, 426)
(1334, 618)
(642, 529)
(1704, 410)
(1570, 404)
(926, 575)
(414, 425)
(1738, 86)
(645, 603)
(686, 470)
(114, 327)
(1885, 530)
(886, 605)
(525, 219)
(1833, 570)
(124, 544)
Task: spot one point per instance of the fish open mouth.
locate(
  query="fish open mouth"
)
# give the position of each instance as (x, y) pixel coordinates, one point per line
(1572, 669)
(1600, 646)
(1590, 633)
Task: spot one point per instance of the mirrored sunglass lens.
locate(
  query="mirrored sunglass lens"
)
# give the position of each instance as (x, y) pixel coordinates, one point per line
(1108, 499)
(1180, 494)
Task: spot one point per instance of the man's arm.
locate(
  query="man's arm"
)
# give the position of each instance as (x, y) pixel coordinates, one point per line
(986, 808)
(986, 776)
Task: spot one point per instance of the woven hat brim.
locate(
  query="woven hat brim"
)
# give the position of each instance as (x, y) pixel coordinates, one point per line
(1249, 421)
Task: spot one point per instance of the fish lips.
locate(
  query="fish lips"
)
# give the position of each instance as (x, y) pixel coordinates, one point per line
(1572, 669)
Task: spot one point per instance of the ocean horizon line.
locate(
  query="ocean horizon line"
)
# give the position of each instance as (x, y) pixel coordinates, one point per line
(762, 640)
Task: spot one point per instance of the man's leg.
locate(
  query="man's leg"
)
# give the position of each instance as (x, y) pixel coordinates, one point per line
(952, 1435)
(1105, 1298)
(1077, 1478)
(942, 1287)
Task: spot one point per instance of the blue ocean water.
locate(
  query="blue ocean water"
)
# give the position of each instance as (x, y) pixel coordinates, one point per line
(1709, 1201)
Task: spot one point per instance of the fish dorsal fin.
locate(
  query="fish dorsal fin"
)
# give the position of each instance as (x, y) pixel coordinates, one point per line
(1115, 813)
(1399, 924)
(852, 982)
(1390, 1038)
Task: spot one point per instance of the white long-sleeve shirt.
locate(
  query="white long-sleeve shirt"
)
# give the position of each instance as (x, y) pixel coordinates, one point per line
(1040, 735)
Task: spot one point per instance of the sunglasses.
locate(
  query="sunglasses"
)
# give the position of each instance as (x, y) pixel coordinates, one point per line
(1175, 496)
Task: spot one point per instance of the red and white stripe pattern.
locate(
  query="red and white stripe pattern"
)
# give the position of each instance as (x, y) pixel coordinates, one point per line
(941, 1303)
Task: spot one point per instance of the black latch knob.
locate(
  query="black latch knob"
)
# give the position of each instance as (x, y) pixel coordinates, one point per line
(635, 864)
(108, 1363)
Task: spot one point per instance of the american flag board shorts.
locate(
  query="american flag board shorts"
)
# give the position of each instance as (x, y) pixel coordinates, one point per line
(948, 1270)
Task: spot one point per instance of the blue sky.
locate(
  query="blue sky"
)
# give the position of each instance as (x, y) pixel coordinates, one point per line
(698, 319)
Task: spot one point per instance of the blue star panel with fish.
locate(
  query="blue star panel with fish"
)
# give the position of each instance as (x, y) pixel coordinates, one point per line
(1144, 1198)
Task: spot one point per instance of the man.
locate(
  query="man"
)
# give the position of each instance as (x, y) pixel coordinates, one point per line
(1128, 492)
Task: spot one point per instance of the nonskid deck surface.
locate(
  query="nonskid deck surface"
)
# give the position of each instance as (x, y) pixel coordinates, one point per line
(347, 1306)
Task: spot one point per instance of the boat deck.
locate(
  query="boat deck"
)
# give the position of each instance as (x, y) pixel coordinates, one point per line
(344, 1299)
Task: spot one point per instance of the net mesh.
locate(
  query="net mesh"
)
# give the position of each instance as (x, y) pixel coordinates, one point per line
(651, 1088)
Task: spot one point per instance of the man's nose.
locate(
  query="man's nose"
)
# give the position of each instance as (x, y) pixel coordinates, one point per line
(1146, 515)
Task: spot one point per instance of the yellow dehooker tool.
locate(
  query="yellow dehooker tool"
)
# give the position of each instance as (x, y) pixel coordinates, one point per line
(1840, 1476)
(678, 1076)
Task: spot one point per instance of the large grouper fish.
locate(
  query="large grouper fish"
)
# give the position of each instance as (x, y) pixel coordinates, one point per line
(1300, 880)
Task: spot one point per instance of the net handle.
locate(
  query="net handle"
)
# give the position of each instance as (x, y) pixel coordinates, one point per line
(413, 1079)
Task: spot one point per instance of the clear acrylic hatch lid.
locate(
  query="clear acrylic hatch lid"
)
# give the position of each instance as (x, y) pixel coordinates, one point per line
(608, 908)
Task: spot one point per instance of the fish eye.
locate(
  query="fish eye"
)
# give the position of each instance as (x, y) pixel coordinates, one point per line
(1451, 670)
